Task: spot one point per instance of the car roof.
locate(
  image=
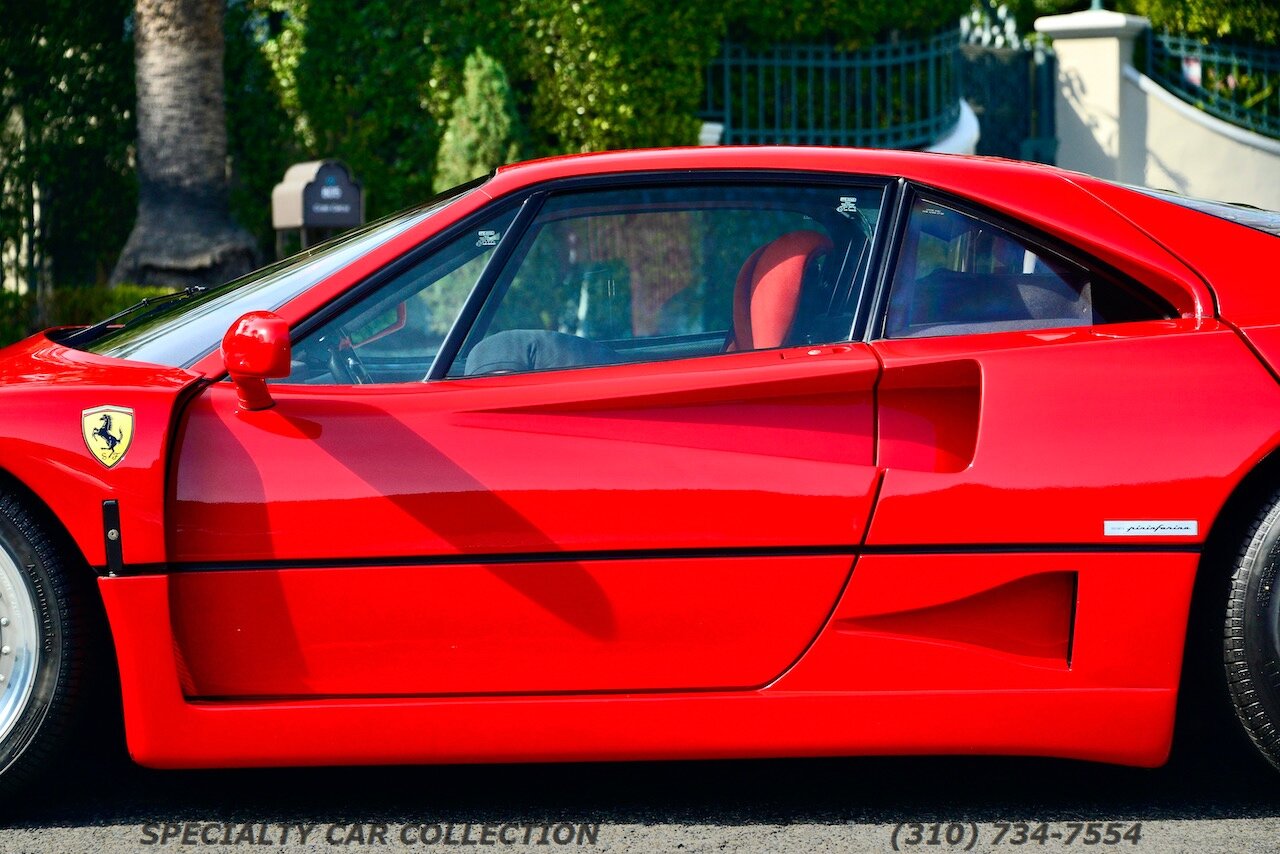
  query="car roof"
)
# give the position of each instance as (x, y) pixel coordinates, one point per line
(917, 165)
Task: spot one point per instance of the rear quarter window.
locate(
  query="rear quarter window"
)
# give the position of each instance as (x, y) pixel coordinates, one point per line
(959, 273)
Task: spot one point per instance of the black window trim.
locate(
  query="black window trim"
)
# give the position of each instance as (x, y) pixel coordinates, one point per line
(494, 272)
(1046, 245)
(474, 304)
(376, 280)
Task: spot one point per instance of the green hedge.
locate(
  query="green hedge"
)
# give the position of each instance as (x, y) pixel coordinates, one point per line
(845, 23)
(374, 83)
(1255, 22)
(1249, 21)
(70, 307)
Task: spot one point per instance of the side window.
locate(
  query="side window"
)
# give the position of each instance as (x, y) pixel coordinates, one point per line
(650, 274)
(394, 334)
(960, 275)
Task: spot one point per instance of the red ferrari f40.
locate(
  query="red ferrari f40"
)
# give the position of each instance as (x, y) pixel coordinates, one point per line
(738, 452)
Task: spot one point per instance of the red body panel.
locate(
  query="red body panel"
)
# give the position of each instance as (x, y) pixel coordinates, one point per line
(653, 561)
(1129, 725)
(1008, 622)
(1240, 264)
(744, 450)
(1074, 428)
(616, 625)
(44, 388)
(747, 451)
(1265, 341)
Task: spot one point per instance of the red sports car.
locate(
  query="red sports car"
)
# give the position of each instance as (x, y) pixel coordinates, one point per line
(734, 452)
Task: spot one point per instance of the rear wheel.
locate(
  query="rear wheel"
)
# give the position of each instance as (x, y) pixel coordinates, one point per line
(41, 646)
(1252, 633)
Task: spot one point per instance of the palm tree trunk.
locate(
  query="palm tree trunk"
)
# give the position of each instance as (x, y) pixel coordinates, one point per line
(184, 233)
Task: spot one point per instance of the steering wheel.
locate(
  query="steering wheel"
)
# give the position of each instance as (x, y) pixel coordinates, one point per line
(345, 363)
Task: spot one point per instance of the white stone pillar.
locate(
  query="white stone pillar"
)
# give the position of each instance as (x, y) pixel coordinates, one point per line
(1093, 48)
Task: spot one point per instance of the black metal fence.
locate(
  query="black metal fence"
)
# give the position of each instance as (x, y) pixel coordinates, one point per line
(903, 94)
(1238, 84)
(1011, 90)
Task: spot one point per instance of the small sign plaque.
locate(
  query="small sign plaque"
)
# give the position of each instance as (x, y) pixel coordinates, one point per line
(320, 194)
(331, 199)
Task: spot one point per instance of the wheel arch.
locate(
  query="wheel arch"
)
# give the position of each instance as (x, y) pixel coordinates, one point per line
(103, 732)
(10, 482)
(1204, 711)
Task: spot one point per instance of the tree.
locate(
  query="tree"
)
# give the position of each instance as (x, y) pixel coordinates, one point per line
(263, 42)
(66, 101)
(372, 94)
(615, 73)
(184, 233)
(1256, 21)
(483, 132)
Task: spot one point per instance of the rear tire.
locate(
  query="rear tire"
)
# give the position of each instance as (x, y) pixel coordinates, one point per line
(43, 642)
(1252, 634)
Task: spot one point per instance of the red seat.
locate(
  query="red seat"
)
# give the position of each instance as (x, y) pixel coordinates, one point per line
(768, 289)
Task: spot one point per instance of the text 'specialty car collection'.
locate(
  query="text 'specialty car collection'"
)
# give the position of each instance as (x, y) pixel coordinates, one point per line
(739, 452)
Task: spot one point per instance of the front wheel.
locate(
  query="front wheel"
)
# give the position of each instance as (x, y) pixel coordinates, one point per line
(41, 645)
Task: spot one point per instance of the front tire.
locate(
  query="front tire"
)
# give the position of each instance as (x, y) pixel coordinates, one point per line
(42, 646)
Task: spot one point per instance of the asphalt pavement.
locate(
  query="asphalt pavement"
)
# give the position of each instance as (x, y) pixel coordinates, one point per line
(929, 804)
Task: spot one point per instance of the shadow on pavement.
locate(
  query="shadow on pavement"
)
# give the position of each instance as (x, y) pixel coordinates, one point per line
(723, 793)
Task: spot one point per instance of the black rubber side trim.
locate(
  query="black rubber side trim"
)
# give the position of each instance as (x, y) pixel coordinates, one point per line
(663, 554)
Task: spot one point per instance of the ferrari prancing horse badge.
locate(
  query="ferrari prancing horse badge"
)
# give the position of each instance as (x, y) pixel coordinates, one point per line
(108, 432)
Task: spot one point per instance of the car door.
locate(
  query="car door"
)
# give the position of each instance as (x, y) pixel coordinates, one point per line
(643, 460)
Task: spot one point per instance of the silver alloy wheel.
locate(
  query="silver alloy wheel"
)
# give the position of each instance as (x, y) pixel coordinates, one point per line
(19, 643)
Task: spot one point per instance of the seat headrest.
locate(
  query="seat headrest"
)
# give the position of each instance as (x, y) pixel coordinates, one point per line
(768, 289)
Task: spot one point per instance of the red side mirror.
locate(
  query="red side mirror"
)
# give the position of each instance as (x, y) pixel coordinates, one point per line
(254, 350)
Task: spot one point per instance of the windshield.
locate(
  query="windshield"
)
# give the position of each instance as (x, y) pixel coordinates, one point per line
(181, 333)
(1255, 218)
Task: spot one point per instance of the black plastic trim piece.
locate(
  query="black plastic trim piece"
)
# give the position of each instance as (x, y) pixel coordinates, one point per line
(112, 538)
(889, 231)
(662, 554)
(479, 296)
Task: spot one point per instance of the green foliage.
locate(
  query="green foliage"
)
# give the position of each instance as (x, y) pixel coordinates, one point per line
(1255, 21)
(17, 316)
(66, 124)
(615, 73)
(1025, 12)
(70, 307)
(371, 90)
(263, 139)
(844, 23)
(382, 85)
(484, 130)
